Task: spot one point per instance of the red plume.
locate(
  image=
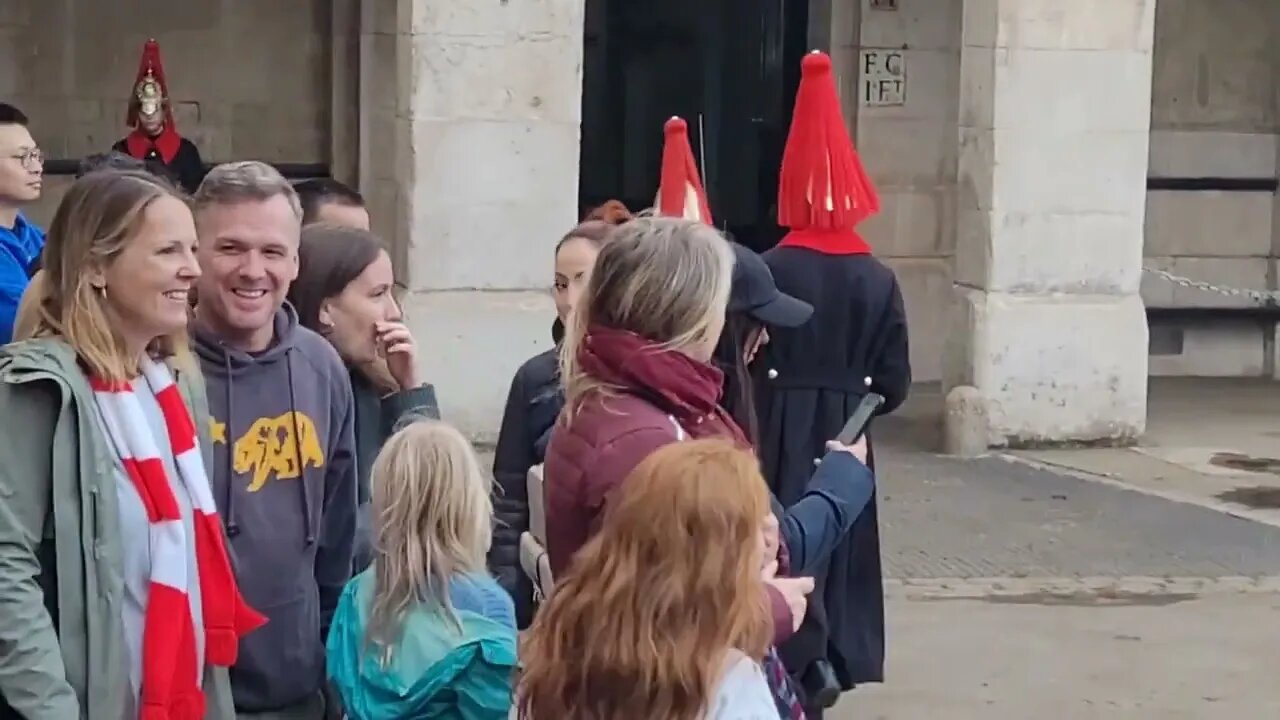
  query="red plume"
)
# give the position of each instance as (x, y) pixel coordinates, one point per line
(822, 185)
(150, 60)
(680, 192)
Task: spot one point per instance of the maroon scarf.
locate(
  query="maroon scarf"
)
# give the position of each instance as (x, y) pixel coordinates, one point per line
(675, 383)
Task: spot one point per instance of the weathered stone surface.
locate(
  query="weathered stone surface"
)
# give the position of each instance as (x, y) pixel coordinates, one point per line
(1050, 252)
(1216, 348)
(494, 103)
(490, 202)
(507, 78)
(1057, 368)
(1224, 272)
(71, 66)
(1204, 153)
(1052, 163)
(927, 293)
(964, 422)
(472, 344)
(1053, 25)
(913, 223)
(1209, 224)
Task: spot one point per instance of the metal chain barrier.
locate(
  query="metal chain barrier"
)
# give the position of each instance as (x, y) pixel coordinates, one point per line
(1260, 296)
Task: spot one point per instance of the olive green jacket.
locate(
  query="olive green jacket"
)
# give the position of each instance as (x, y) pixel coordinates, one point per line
(58, 500)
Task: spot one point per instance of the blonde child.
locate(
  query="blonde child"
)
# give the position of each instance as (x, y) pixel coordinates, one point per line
(425, 631)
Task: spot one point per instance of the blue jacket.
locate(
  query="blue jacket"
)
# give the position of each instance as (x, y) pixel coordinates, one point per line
(20, 246)
(437, 671)
(813, 525)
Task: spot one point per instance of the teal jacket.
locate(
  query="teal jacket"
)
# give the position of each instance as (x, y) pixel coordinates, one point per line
(60, 543)
(435, 672)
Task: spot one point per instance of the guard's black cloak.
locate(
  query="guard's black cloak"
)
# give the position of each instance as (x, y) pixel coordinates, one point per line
(809, 380)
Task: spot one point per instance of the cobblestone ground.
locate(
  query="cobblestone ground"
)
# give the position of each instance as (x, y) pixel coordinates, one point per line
(1018, 592)
(1210, 657)
(986, 518)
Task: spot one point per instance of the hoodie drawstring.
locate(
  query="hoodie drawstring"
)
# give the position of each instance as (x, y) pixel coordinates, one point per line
(233, 527)
(229, 517)
(297, 447)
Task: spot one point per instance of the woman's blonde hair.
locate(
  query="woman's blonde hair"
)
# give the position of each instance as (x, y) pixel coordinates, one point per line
(100, 214)
(432, 521)
(664, 279)
(641, 623)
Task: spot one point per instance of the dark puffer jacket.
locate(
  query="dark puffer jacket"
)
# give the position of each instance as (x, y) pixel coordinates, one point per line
(533, 404)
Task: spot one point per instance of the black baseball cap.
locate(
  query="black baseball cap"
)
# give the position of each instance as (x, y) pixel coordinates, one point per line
(754, 293)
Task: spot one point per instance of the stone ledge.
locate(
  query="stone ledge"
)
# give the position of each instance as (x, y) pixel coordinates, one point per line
(1099, 586)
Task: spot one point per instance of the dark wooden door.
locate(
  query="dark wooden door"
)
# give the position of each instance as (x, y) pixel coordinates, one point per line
(729, 67)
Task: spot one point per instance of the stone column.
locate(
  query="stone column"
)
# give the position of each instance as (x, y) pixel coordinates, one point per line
(489, 183)
(1272, 367)
(1055, 107)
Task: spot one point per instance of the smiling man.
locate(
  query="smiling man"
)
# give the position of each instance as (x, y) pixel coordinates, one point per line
(21, 176)
(284, 468)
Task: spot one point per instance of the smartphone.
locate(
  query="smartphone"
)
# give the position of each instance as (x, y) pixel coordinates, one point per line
(861, 417)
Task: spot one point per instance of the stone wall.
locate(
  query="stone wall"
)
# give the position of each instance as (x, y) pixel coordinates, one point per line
(248, 79)
(1054, 124)
(909, 149)
(1214, 114)
(491, 177)
(458, 121)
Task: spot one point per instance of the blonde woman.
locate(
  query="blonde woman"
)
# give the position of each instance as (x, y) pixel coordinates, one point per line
(637, 371)
(663, 614)
(118, 596)
(425, 632)
(635, 365)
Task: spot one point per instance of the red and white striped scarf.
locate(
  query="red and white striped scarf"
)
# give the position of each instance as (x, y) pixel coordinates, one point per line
(171, 688)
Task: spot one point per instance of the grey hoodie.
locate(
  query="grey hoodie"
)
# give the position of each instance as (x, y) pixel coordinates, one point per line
(272, 412)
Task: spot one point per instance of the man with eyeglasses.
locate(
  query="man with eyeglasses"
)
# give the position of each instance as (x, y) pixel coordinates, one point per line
(21, 176)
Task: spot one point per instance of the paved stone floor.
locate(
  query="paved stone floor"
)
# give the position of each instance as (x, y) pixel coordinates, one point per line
(990, 517)
(1090, 590)
(1020, 592)
(1158, 658)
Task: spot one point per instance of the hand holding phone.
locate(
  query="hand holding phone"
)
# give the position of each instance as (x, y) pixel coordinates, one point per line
(858, 449)
(857, 424)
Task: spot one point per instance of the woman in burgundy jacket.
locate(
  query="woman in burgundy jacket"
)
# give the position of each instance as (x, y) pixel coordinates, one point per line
(637, 376)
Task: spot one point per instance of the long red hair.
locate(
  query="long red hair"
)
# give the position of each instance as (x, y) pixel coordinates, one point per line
(640, 624)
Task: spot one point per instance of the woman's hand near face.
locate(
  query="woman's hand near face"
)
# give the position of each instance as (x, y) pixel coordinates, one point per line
(401, 353)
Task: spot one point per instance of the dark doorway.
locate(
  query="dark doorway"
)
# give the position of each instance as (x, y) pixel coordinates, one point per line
(729, 67)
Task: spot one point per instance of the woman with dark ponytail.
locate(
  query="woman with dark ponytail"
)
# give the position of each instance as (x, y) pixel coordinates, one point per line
(534, 403)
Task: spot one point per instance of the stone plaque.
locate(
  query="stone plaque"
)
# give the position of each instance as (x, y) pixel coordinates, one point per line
(884, 77)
